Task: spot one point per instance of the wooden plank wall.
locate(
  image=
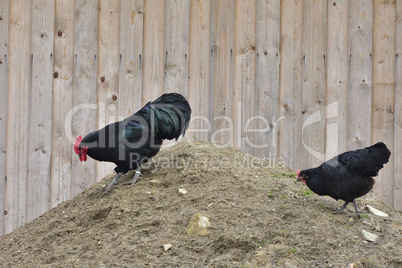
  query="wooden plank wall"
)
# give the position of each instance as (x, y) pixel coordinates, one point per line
(18, 114)
(198, 70)
(40, 127)
(84, 120)
(4, 21)
(63, 70)
(291, 81)
(398, 111)
(383, 98)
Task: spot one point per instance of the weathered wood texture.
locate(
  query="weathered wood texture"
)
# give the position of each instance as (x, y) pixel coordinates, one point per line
(398, 112)
(18, 114)
(314, 82)
(154, 50)
(267, 79)
(383, 97)
(245, 75)
(131, 40)
(84, 111)
(221, 98)
(198, 70)
(177, 46)
(63, 70)
(107, 82)
(40, 118)
(295, 82)
(337, 78)
(4, 22)
(290, 80)
(360, 73)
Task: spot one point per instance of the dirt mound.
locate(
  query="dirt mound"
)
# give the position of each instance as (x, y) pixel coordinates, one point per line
(259, 216)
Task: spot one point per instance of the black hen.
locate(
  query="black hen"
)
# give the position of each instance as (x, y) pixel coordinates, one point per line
(348, 175)
(133, 141)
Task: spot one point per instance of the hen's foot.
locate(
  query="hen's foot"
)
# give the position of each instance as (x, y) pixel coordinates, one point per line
(342, 209)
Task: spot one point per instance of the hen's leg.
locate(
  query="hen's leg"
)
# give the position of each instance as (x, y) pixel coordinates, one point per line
(114, 181)
(356, 208)
(342, 208)
(136, 177)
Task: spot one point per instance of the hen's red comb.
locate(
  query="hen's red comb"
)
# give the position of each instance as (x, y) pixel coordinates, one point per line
(298, 172)
(77, 145)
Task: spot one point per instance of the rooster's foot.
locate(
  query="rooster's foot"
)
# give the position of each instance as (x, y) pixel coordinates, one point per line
(114, 181)
(136, 177)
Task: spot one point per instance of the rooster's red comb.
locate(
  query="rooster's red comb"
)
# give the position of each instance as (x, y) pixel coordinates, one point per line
(77, 145)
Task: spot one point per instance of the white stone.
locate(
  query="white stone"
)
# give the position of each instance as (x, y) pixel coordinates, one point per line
(369, 236)
(183, 191)
(167, 246)
(377, 212)
(203, 222)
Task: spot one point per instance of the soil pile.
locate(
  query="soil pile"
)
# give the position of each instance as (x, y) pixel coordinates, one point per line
(255, 215)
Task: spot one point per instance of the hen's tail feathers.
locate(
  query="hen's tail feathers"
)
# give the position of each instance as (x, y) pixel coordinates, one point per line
(170, 116)
(377, 155)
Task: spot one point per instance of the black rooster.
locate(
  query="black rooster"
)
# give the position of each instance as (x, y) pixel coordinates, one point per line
(133, 141)
(348, 175)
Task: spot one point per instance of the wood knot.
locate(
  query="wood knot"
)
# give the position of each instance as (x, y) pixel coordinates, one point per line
(56, 74)
(60, 33)
(114, 97)
(102, 79)
(286, 106)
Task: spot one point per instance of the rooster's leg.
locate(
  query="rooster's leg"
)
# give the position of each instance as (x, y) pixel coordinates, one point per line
(114, 181)
(136, 177)
(356, 208)
(342, 208)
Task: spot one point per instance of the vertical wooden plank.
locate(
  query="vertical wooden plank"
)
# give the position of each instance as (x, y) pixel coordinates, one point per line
(19, 74)
(384, 17)
(267, 78)
(359, 93)
(154, 49)
(198, 69)
(84, 120)
(131, 40)
(337, 78)
(245, 71)
(314, 82)
(291, 74)
(108, 71)
(40, 123)
(398, 112)
(4, 21)
(221, 71)
(63, 70)
(177, 46)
